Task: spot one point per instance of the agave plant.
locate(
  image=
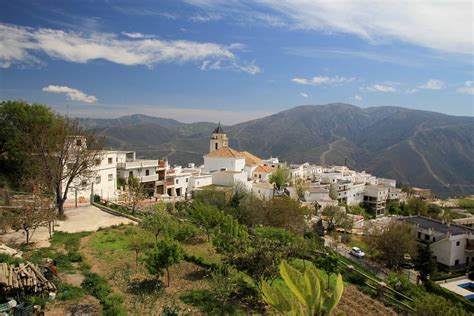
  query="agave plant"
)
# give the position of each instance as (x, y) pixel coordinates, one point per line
(308, 292)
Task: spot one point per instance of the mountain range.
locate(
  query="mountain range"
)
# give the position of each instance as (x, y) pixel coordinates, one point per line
(422, 148)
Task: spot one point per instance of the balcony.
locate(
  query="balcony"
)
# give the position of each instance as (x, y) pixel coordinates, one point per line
(153, 177)
(137, 164)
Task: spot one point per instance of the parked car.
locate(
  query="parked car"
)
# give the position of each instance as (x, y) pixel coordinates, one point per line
(407, 262)
(357, 252)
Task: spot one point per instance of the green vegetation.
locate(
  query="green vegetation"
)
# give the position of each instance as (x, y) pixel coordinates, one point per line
(98, 287)
(309, 294)
(280, 177)
(165, 253)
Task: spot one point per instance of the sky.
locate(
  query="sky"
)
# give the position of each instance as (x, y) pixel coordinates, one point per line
(232, 61)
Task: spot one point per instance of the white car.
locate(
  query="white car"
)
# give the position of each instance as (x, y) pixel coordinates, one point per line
(357, 252)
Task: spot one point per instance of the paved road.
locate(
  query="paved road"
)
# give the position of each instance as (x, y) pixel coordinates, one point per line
(345, 251)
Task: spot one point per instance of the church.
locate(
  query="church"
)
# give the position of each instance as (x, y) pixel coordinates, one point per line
(228, 166)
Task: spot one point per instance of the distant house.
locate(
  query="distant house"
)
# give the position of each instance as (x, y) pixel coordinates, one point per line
(262, 173)
(452, 244)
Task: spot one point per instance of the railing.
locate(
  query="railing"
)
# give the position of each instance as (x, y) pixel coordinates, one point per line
(153, 177)
(138, 164)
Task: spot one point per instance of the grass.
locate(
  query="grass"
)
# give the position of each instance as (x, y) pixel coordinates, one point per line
(208, 304)
(200, 247)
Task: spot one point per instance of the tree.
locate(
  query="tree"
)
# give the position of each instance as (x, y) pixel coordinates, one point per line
(337, 217)
(166, 253)
(307, 294)
(333, 191)
(261, 255)
(206, 216)
(159, 222)
(32, 211)
(301, 186)
(285, 212)
(328, 263)
(424, 262)
(134, 193)
(138, 243)
(64, 153)
(392, 242)
(280, 177)
(417, 206)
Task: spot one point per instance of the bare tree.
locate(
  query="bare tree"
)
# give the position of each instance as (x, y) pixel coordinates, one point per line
(134, 193)
(64, 153)
(32, 211)
(301, 186)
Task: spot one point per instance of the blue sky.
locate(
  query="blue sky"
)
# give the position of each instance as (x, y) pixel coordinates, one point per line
(210, 60)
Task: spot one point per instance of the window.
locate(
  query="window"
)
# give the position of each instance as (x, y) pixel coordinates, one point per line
(177, 181)
(216, 146)
(427, 237)
(456, 262)
(458, 243)
(187, 180)
(78, 142)
(111, 176)
(147, 172)
(434, 239)
(84, 184)
(130, 174)
(419, 235)
(97, 179)
(98, 161)
(110, 160)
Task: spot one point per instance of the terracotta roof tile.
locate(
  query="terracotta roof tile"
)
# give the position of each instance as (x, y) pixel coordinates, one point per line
(266, 169)
(250, 159)
(225, 152)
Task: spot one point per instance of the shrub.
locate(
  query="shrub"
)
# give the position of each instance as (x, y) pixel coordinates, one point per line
(9, 259)
(96, 286)
(354, 278)
(113, 306)
(69, 292)
(186, 231)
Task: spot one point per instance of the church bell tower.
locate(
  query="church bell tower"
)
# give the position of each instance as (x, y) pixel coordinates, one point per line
(218, 139)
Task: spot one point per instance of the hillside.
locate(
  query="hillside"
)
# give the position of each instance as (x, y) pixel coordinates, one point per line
(422, 148)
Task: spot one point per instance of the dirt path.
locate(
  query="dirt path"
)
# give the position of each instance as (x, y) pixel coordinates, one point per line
(422, 156)
(322, 158)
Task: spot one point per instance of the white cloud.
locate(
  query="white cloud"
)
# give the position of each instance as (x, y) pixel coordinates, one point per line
(358, 97)
(19, 45)
(467, 89)
(72, 94)
(439, 25)
(381, 88)
(432, 84)
(205, 18)
(411, 91)
(137, 35)
(322, 80)
(304, 95)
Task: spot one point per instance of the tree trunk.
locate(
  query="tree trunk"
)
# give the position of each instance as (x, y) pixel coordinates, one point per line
(168, 272)
(27, 231)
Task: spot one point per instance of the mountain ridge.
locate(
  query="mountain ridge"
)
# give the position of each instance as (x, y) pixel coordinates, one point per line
(424, 148)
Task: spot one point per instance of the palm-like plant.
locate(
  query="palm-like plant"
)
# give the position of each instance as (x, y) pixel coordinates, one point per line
(308, 292)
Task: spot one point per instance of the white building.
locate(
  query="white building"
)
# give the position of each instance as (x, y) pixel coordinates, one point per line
(230, 178)
(452, 244)
(145, 170)
(375, 196)
(263, 190)
(262, 173)
(102, 182)
(224, 159)
(177, 182)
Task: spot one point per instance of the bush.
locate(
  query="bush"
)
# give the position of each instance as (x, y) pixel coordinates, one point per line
(453, 297)
(354, 278)
(69, 292)
(113, 306)
(186, 231)
(200, 262)
(471, 275)
(4, 258)
(96, 285)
